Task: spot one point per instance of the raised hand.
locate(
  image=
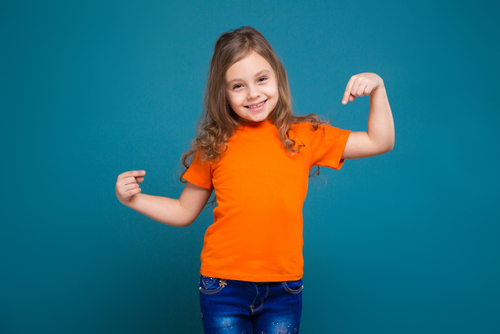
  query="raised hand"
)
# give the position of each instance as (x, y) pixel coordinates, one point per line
(360, 85)
(127, 185)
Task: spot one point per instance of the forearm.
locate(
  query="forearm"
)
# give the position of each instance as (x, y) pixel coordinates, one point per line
(162, 209)
(380, 120)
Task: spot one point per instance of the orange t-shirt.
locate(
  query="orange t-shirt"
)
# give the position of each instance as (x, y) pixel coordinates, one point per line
(260, 190)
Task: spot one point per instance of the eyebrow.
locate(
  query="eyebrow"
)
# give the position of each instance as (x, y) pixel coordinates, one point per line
(256, 75)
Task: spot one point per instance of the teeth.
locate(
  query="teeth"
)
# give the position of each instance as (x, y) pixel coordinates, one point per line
(257, 105)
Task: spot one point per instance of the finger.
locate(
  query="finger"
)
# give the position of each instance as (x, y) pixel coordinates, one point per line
(369, 88)
(133, 192)
(360, 89)
(132, 173)
(348, 90)
(128, 180)
(130, 187)
(139, 179)
(355, 88)
(365, 88)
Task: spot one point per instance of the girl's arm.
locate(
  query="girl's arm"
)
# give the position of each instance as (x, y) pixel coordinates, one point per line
(380, 136)
(175, 212)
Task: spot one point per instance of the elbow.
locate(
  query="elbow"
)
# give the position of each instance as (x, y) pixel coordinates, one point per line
(390, 147)
(177, 222)
(185, 222)
(386, 148)
(381, 145)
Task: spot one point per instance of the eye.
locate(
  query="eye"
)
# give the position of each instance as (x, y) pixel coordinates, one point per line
(261, 79)
(237, 86)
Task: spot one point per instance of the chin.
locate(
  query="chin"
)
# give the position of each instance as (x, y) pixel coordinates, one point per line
(255, 118)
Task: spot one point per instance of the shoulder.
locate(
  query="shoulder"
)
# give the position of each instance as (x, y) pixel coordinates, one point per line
(302, 132)
(306, 128)
(319, 132)
(302, 126)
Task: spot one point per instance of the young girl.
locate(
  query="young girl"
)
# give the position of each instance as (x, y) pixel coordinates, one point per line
(257, 156)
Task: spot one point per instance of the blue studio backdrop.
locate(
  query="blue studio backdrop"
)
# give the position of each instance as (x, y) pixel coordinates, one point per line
(406, 242)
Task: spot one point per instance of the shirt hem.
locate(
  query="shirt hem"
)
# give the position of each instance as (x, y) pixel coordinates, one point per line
(198, 182)
(250, 278)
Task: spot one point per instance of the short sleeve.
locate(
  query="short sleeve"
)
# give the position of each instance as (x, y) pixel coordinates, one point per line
(199, 173)
(327, 146)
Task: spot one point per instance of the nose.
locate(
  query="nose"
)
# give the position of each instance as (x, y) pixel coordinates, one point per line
(253, 93)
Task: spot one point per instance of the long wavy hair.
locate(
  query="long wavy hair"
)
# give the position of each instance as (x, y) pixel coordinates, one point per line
(218, 121)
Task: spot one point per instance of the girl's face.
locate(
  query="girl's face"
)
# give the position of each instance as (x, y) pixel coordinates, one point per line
(251, 88)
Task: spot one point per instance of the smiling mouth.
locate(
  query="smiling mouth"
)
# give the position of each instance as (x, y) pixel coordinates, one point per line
(256, 105)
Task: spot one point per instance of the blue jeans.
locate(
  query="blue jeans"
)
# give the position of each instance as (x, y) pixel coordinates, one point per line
(230, 306)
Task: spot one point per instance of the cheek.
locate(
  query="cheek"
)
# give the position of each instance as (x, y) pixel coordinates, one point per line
(275, 96)
(274, 91)
(230, 98)
(234, 100)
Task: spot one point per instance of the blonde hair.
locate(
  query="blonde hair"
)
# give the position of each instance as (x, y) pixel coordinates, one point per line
(218, 121)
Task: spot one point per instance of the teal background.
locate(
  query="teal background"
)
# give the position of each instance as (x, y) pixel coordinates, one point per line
(406, 242)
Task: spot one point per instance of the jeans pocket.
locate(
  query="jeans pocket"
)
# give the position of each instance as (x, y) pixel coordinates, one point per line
(211, 285)
(293, 287)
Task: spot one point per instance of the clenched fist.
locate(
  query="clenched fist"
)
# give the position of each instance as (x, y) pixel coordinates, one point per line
(127, 185)
(360, 85)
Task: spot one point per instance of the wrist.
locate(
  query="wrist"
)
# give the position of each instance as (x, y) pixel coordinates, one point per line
(379, 91)
(131, 201)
